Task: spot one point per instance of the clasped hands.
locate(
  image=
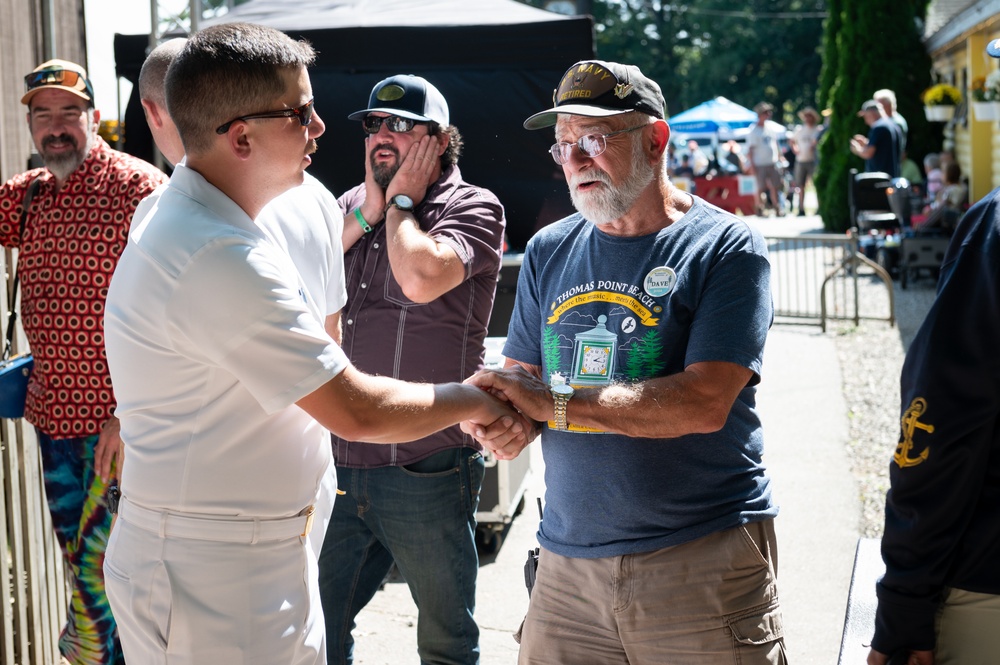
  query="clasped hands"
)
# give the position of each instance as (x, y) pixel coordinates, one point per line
(524, 392)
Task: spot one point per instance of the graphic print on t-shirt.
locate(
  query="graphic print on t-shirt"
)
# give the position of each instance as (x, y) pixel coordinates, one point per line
(604, 331)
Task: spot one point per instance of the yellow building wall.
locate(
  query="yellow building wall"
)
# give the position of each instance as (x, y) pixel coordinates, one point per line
(975, 142)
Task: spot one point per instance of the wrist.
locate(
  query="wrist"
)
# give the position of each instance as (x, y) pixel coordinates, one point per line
(362, 222)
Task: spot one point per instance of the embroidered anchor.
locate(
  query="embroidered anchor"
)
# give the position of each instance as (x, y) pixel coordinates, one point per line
(910, 423)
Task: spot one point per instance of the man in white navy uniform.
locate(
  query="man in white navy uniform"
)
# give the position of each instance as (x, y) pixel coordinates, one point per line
(226, 377)
(306, 221)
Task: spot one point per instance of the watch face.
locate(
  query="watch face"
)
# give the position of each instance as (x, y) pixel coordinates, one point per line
(563, 389)
(403, 202)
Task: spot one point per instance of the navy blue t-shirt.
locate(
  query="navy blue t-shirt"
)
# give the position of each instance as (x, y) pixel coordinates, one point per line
(886, 138)
(598, 308)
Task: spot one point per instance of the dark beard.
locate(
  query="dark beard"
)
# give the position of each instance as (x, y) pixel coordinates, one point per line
(384, 174)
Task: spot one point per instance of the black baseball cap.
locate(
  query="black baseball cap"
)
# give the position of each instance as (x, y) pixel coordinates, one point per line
(599, 89)
(407, 96)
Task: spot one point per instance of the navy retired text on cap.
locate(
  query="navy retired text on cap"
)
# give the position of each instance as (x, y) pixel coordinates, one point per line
(597, 89)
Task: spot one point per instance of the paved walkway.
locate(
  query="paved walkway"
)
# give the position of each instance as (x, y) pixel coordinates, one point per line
(805, 429)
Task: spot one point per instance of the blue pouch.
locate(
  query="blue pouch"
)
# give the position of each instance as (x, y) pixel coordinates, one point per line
(14, 375)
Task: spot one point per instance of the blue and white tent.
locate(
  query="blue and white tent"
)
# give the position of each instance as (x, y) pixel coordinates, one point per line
(716, 116)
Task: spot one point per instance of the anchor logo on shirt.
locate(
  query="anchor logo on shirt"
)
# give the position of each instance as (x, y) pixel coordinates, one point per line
(910, 422)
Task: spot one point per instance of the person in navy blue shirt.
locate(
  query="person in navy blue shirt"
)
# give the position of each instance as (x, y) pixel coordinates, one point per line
(939, 599)
(882, 148)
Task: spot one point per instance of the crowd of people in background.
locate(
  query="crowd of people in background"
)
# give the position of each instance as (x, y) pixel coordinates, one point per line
(787, 161)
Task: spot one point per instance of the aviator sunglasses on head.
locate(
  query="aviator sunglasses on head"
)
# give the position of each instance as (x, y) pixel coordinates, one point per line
(64, 77)
(591, 145)
(394, 123)
(304, 114)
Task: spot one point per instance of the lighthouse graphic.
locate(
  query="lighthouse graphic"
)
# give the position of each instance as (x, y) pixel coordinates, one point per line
(594, 355)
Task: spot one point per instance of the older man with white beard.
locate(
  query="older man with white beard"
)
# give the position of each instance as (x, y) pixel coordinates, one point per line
(636, 343)
(70, 222)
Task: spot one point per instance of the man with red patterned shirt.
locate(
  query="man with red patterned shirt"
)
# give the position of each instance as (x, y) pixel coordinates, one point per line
(75, 229)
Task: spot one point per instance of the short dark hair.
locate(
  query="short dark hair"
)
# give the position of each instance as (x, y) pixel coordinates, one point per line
(227, 71)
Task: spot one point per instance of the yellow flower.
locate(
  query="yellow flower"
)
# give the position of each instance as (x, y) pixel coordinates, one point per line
(941, 94)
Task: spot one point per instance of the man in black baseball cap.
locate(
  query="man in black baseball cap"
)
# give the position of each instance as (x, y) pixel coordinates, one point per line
(406, 96)
(636, 339)
(423, 250)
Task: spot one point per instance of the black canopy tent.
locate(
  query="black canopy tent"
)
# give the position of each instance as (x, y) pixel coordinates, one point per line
(495, 61)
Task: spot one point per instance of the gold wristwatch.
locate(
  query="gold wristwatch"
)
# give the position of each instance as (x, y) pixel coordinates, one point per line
(561, 393)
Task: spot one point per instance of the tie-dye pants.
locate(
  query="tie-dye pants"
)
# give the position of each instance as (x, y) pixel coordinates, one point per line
(80, 516)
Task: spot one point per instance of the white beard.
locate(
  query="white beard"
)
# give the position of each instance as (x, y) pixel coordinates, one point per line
(608, 203)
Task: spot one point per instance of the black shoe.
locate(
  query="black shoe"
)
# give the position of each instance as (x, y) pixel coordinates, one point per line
(802, 213)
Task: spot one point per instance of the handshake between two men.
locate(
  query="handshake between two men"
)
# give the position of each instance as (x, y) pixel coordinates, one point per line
(524, 391)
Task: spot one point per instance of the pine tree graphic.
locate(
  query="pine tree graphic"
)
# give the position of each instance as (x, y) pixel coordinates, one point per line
(551, 354)
(643, 359)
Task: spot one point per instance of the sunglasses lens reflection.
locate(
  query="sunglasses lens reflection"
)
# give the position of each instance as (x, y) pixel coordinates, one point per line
(51, 77)
(395, 124)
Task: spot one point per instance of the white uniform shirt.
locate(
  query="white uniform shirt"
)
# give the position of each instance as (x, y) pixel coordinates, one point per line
(212, 336)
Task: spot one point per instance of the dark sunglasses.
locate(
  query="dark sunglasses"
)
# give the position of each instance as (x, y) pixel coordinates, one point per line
(396, 124)
(304, 114)
(64, 77)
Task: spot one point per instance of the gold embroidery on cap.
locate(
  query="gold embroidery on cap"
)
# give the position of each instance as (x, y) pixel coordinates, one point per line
(622, 90)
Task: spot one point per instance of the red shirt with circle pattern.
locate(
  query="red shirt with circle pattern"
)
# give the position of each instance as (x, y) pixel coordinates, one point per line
(71, 244)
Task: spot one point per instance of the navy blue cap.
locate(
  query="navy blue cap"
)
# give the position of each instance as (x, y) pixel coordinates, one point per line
(406, 96)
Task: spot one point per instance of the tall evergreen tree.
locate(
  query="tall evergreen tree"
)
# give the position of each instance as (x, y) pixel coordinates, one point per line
(877, 45)
(750, 51)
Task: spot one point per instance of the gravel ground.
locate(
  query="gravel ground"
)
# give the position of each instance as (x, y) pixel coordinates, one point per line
(871, 357)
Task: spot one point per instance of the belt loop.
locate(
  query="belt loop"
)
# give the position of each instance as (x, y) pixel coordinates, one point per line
(256, 531)
(163, 525)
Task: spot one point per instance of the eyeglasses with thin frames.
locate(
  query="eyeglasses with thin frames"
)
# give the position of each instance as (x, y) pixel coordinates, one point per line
(394, 123)
(304, 114)
(590, 145)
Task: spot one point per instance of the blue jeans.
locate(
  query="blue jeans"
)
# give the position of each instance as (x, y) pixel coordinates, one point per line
(423, 517)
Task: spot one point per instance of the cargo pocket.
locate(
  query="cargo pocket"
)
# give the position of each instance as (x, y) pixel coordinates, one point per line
(758, 635)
